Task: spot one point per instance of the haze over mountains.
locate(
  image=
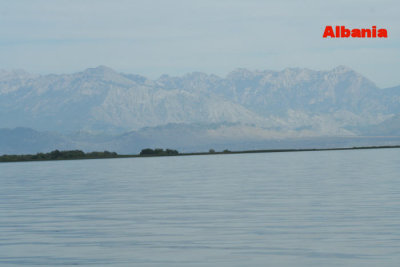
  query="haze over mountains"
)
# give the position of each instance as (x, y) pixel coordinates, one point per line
(101, 108)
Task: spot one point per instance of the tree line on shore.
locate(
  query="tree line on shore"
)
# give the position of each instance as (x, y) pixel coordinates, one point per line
(148, 152)
(59, 155)
(79, 154)
(158, 152)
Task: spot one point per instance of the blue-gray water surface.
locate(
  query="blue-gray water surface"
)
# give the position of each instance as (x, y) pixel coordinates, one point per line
(333, 208)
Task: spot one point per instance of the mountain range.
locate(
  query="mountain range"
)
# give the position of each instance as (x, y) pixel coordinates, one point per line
(101, 108)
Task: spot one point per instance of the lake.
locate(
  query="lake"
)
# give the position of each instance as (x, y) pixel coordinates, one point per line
(330, 208)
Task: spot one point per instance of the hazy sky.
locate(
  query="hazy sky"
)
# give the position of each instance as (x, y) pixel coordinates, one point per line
(213, 36)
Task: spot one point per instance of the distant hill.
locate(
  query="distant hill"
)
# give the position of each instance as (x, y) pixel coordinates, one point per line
(103, 100)
(26, 140)
(182, 137)
(100, 109)
(389, 127)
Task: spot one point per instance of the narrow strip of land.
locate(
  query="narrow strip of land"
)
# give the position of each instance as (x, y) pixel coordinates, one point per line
(287, 150)
(78, 154)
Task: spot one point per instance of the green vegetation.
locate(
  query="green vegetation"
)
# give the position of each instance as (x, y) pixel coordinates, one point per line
(158, 152)
(59, 155)
(79, 154)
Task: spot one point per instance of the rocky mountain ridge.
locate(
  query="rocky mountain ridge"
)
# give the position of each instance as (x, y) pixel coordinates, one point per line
(333, 102)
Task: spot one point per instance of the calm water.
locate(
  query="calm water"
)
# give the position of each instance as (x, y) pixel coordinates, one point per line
(339, 208)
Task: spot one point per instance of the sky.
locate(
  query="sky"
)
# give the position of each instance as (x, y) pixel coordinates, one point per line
(175, 37)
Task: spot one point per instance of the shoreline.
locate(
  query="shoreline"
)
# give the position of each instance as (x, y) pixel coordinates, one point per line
(226, 152)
